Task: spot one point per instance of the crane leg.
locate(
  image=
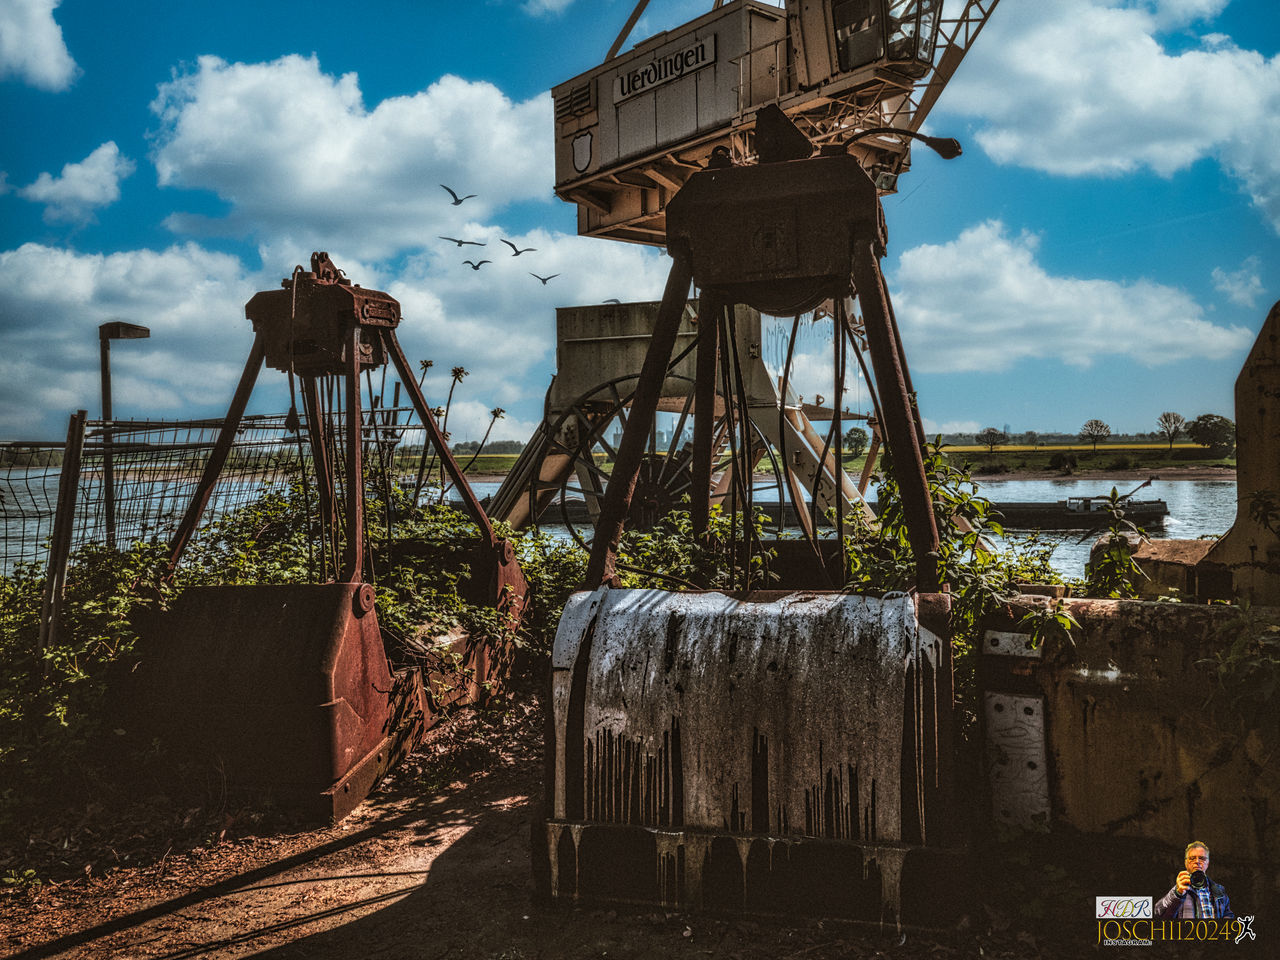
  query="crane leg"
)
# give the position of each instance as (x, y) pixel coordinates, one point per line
(601, 568)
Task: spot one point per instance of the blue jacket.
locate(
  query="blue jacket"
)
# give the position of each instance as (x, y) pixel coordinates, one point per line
(1170, 905)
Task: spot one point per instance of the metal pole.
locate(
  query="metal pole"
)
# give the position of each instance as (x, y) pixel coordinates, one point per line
(111, 330)
(108, 471)
(63, 524)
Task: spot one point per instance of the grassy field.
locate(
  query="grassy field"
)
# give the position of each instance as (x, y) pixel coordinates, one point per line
(1158, 445)
(488, 463)
(1009, 458)
(1081, 458)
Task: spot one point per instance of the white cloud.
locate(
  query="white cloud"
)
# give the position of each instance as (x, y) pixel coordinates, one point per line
(83, 187)
(537, 8)
(1242, 286)
(31, 46)
(498, 323)
(364, 183)
(1086, 88)
(932, 428)
(192, 299)
(1171, 14)
(982, 303)
(295, 151)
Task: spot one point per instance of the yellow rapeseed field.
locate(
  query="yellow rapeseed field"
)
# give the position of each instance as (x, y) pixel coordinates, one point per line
(1083, 447)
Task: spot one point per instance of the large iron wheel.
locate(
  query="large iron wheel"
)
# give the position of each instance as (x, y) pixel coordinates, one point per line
(588, 431)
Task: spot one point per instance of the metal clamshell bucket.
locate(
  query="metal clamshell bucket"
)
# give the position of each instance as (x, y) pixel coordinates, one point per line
(759, 753)
(285, 687)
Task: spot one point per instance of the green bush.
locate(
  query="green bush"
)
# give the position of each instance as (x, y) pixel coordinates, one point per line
(1064, 461)
(54, 724)
(980, 576)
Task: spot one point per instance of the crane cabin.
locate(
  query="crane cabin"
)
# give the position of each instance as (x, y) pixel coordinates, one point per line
(630, 131)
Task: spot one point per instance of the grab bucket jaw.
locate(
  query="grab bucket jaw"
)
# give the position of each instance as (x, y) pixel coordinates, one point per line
(761, 753)
(286, 689)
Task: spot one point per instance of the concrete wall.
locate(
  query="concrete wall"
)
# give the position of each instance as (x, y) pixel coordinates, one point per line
(1126, 745)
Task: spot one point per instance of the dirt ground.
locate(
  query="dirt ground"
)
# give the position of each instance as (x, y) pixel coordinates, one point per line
(436, 864)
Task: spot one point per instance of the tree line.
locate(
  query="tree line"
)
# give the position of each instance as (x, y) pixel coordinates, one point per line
(1209, 430)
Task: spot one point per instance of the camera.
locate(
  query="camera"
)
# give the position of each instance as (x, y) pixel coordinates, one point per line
(1198, 880)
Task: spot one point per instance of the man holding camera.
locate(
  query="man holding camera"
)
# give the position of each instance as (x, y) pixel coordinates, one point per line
(1194, 896)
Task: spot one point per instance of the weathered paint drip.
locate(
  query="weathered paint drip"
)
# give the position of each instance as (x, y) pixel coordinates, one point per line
(687, 689)
(705, 871)
(734, 754)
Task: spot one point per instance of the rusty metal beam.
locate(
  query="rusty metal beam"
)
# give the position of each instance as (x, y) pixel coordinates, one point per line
(317, 431)
(218, 457)
(897, 408)
(469, 501)
(626, 30)
(353, 548)
(617, 501)
(704, 403)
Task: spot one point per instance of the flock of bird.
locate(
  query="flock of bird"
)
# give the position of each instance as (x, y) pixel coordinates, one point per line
(476, 265)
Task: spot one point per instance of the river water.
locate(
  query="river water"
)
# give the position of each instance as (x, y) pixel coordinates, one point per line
(1197, 508)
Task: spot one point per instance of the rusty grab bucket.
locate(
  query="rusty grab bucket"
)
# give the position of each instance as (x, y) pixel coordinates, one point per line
(762, 753)
(284, 689)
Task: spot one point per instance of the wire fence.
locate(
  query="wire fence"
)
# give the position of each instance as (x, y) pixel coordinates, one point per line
(136, 479)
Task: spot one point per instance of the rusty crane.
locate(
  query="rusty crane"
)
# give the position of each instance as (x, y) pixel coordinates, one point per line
(785, 746)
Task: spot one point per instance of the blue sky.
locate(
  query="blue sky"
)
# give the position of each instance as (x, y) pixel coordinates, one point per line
(1107, 246)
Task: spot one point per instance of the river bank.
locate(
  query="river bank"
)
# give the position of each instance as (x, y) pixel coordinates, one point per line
(1102, 476)
(1118, 477)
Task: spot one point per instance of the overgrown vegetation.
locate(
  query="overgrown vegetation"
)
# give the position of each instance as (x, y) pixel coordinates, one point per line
(55, 724)
(1111, 571)
(981, 574)
(1246, 671)
(56, 736)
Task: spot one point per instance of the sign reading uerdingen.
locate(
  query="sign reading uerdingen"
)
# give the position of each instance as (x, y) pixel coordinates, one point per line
(664, 69)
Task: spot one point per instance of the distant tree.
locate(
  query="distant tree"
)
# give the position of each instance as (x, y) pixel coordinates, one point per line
(1093, 431)
(992, 438)
(1215, 432)
(855, 441)
(1030, 438)
(1171, 425)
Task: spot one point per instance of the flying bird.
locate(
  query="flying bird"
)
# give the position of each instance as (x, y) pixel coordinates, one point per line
(516, 251)
(457, 199)
(545, 279)
(461, 243)
(476, 266)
